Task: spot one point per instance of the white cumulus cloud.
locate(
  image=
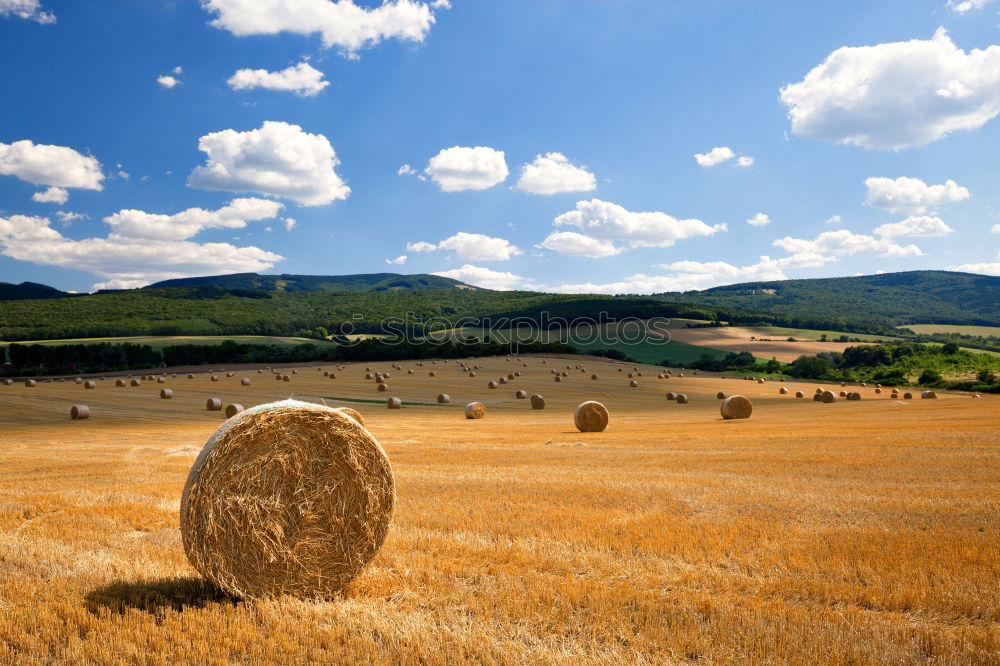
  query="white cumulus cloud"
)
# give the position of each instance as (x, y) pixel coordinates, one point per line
(279, 160)
(715, 156)
(995, 229)
(553, 173)
(26, 9)
(576, 244)
(605, 221)
(759, 220)
(963, 6)
(342, 24)
(833, 244)
(921, 226)
(302, 79)
(470, 247)
(124, 261)
(57, 195)
(744, 161)
(43, 164)
(400, 260)
(467, 168)
(911, 195)
(168, 81)
(896, 95)
(138, 224)
(487, 278)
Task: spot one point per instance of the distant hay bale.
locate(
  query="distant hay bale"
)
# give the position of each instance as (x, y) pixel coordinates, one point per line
(475, 410)
(213, 404)
(681, 375)
(853, 395)
(591, 416)
(278, 377)
(721, 395)
(521, 394)
(783, 391)
(307, 496)
(819, 390)
(443, 398)
(245, 381)
(394, 403)
(828, 397)
(431, 374)
(671, 395)
(633, 383)
(817, 397)
(89, 384)
(928, 395)
(410, 371)
(843, 383)
(31, 382)
(472, 374)
(351, 413)
(230, 373)
(79, 412)
(864, 384)
(843, 394)
(594, 377)
(260, 372)
(682, 399)
(215, 378)
(760, 381)
(8, 382)
(119, 382)
(286, 378)
(736, 407)
(295, 372)
(333, 375)
(369, 375)
(503, 380)
(136, 382)
(800, 394)
(161, 380)
(491, 385)
(383, 387)
(907, 396)
(565, 374)
(78, 380)
(878, 390)
(661, 376)
(557, 378)
(976, 395)
(631, 375)
(190, 376)
(166, 394)
(537, 401)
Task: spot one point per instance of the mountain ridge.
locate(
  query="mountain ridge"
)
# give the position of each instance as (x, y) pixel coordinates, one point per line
(288, 282)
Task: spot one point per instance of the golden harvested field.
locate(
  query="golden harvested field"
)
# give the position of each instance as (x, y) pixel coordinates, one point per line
(849, 533)
(737, 339)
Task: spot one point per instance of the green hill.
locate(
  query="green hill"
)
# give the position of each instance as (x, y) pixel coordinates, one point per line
(333, 283)
(16, 292)
(913, 297)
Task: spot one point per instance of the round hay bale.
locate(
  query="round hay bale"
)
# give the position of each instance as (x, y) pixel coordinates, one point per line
(230, 373)
(491, 385)
(260, 372)
(245, 381)
(89, 384)
(410, 371)
(475, 410)
(671, 395)
(472, 374)
(537, 402)
(383, 387)
(307, 494)
(631, 375)
(633, 383)
(78, 380)
(8, 382)
(907, 396)
(215, 378)
(278, 377)
(828, 397)
(864, 384)
(843, 383)
(166, 394)
(31, 382)
(976, 395)
(517, 374)
(79, 412)
(783, 391)
(661, 376)
(521, 394)
(843, 394)
(190, 376)
(295, 372)
(928, 395)
(736, 407)
(721, 395)
(136, 382)
(286, 378)
(681, 375)
(351, 413)
(511, 375)
(557, 378)
(800, 394)
(213, 404)
(503, 380)
(854, 395)
(878, 390)
(565, 374)
(161, 380)
(594, 377)
(394, 403)
(819, 390)
(682, 399)
(369, 375)
(817, 397)
(591, 416)
(119, 382)
(431, 374)
(443, 398)
(760, 381)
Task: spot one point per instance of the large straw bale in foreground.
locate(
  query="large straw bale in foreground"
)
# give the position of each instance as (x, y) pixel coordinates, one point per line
(736, 407)
(591, 416)
(287, 498)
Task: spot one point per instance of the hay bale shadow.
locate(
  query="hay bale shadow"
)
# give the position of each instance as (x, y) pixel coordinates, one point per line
(156, 597)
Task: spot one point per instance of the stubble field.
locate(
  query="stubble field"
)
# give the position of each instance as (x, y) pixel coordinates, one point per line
(854, 532)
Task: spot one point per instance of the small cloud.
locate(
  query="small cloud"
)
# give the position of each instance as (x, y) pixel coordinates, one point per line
(30, 10)
(406, 170)
(56, 195)
(744, 161)
(67, 217)
(400, 260)
(178, 70)
(441, 4)
(717, 155)
(759, 220)
(833, 219)
(145, 179)
(167, 81)
(124, 175)
(290, 223)
(995, 229)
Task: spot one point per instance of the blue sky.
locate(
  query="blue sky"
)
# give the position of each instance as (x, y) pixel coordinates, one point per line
(619, 146)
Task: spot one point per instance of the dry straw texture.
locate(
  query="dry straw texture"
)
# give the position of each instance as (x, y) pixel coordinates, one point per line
(736, 407)
(287, 498)
(352, 413)
(475, 410)
(591, 416)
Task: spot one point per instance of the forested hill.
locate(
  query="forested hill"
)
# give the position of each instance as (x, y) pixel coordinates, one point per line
(333, 283)
(890, 298)
(16, 292)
